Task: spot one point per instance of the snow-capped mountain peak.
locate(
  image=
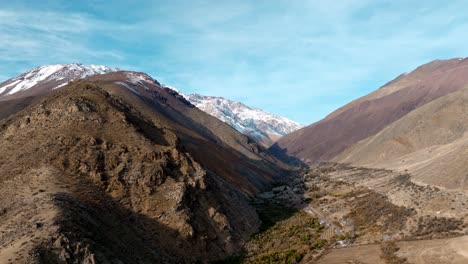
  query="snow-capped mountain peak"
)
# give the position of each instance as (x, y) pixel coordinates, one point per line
(54, 75)
(258, 124)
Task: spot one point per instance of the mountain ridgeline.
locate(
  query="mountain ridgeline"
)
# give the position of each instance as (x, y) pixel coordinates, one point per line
(260, 126)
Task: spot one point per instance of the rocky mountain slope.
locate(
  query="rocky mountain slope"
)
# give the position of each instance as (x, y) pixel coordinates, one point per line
(255, 123)
(117, 169)
(370, 114)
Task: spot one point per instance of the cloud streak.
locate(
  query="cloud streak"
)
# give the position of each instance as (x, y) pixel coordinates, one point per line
(49, 37)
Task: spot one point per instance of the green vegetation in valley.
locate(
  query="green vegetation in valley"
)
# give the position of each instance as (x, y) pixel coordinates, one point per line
(286, 236)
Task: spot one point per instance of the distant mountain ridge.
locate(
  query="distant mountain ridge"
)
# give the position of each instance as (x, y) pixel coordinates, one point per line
(257, 124)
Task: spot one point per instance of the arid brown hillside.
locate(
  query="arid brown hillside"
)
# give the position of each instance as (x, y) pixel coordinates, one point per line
(370, 114)
(431, 143)
(117, 170)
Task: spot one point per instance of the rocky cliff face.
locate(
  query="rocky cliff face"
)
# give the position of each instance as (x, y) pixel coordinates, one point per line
(108, 166)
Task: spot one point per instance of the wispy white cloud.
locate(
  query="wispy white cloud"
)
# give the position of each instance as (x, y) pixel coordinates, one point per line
(50, 37)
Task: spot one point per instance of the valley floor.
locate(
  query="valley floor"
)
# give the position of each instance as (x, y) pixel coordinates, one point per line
(366, 216)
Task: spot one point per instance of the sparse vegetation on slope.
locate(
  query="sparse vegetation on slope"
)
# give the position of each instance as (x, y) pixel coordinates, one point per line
(372, 210)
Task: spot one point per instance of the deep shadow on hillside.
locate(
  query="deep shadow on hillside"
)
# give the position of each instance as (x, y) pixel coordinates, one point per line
(282, 154)
(13, 106)
(93, 226)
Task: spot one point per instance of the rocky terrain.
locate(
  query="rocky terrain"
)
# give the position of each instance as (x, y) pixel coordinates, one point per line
(118, 170)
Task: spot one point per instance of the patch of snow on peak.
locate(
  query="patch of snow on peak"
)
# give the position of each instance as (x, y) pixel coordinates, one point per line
(35, 76)
(176, 90)
(57, 74)
(8, 86)
(139, 78)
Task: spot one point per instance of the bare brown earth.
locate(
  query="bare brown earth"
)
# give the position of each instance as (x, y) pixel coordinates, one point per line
(428, 224)
(368, 254)
(430, 143)
(370, 114)
(97, 173)
(439, 251)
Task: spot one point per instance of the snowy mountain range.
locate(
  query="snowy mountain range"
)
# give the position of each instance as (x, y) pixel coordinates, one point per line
(261, 126)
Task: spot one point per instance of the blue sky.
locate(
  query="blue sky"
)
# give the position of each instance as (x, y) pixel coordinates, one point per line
(299, 59)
